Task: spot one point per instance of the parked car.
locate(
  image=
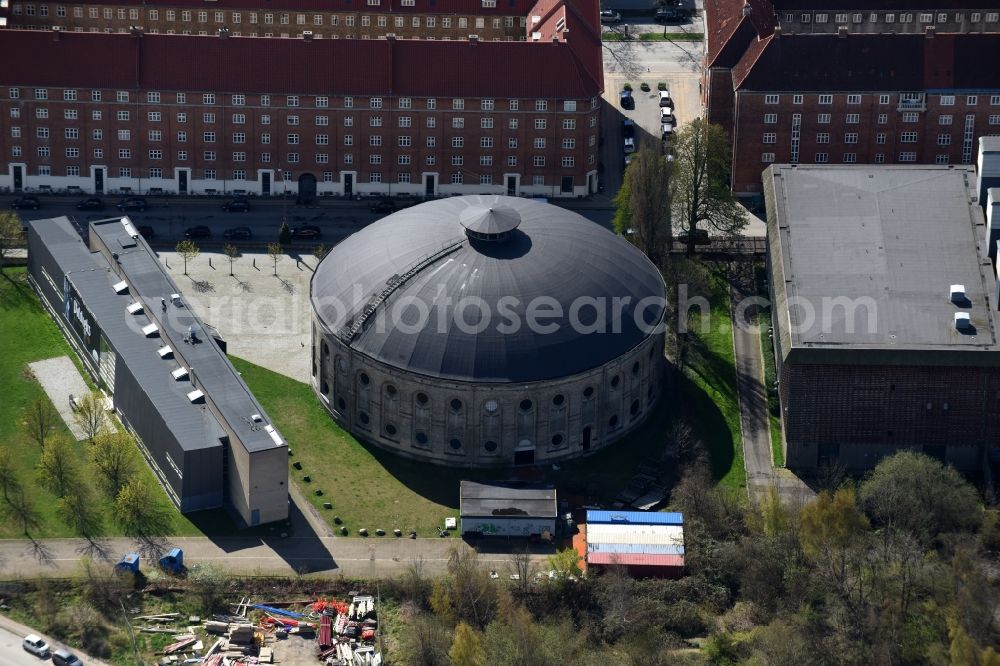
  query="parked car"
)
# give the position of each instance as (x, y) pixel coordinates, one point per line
(610, 16)
(629, 146)
(147, 232)
(26, 202)
(666, 115)
(237, 233)
(36, 646)
(63, 657)
(306, 232)
(700, 237)
(93, 203)
(666, 130)
(382, 206)
(199, 231)
(132, 203)
(665, 99)
(628, 129)
(236, 206)
(669, 15)
(626, 99)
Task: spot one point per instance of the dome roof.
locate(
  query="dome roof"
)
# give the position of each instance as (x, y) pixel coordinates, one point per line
(488, 289)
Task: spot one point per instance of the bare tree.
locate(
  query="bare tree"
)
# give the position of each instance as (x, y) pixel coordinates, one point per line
(40, 420)
(188, 251)
(643, 203)
(522, 569)
(8, 472)
(702, 198)
(11, 235)
(21, 507)
(89, 414)
(231, 252)
(78, 509)
(58, 466)
(275, 251)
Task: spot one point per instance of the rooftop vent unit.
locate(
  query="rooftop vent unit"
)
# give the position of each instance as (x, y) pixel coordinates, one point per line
(962, 321)
(195, 396)
(180, 374)
(165, 351)
(134, 308)
(129, 229)
(120, 287)
(957, 293)
(256, 418)
(150, 330)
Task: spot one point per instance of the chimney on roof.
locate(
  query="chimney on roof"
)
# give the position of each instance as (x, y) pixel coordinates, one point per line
(55, 33)
(473, 39)
(135, 30)
(223, 33)
(842, 32)
(390, 36)
(930, 31)
(307, 35)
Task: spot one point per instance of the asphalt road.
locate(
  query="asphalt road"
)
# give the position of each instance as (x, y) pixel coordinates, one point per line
(12, 654)
(374, 557)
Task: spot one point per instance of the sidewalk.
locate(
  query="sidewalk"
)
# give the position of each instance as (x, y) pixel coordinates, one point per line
(21, 630)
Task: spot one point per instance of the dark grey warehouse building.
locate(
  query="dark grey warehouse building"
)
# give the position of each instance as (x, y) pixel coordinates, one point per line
(204, 434)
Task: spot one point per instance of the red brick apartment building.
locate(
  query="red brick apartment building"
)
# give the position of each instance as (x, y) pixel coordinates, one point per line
(368, 113)
(851, 82)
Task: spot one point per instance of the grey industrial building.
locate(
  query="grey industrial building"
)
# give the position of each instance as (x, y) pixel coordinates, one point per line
(491, 509)
(204, 434)
(487, 330)
(884, 306)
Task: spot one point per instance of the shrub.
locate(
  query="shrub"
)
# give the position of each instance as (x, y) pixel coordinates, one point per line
(627, 86)
(661, 85)
(644, 87)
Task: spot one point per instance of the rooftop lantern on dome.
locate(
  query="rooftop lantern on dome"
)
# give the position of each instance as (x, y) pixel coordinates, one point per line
(492, 224)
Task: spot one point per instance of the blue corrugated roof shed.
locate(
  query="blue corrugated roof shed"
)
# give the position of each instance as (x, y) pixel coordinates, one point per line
(633, 517)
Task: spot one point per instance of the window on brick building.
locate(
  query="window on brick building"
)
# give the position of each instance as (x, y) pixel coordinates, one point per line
(538, 160)
(822, 158)
(797, 99)
(908, 137)
(770, 137)
(823, 119)
(850, 158)
(767, 158)
(911, 117)
(883, 118)
(944, 139)
(771, 99)
(908, 156)
(539, 142)
(853, 118)
(971, 100)
(826, 99)
(994, 120)
(947, 100)
(941, 159)
(851, 137)
(854, 99)
(883, 99)
(823, 137)
(770, 118)
(879, 158)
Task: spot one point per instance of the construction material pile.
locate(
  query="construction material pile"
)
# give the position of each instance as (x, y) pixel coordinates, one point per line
(347, 632)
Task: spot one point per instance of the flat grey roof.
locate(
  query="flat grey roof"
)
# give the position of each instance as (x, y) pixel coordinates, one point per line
(92, 278)
(887, 241)
(498, 500)
(212, 372)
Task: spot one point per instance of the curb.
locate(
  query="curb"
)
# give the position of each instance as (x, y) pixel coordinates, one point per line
(21, 630)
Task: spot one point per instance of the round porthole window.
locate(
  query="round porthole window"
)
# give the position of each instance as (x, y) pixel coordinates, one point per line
(456, 405)
(390, 429)
(557, 440)
(421, 437)
(635, 368)
(588, 392)
(491, 406)
(615, 381)
(422, 399)
(558, 400)
(525, 405)
(341, 403)
(634, 409)
(364, 418)
(613, 421)
(365, 380)
(490, 446)
(455, 444)
(390, 390)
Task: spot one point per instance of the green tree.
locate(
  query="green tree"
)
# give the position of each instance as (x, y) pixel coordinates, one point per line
(284, 234)
(913, 492)
(231, 252)
(89, 414)
(565, 563)
(113, 455)
(140, 512)
(423, 641)
(11, 235)
(9, 480)
(467, 647)
(58, 466)
(701, 195)
(79, 509)
(831, 521)
(40, 420)
(275, 251)
(642, 205)
(188, 251)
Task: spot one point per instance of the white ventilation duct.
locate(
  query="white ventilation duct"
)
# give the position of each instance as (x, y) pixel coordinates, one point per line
(957, 293)
(962, 321)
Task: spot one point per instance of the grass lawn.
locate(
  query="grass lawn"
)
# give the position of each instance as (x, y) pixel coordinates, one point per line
(375, 489)
(708, 388)
(654, 37)
(28, 334)
(770, 370)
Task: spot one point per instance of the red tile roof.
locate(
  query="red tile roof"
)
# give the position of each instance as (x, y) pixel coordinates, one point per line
(321, 66)
(731, 27)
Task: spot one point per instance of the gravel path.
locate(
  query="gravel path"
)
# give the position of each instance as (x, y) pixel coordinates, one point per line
(60, 378)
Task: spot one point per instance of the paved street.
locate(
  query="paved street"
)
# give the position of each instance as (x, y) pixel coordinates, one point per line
(352, 557)
(12, 654)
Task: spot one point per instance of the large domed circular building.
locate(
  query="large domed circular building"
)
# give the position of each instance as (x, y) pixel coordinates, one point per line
(487, 330)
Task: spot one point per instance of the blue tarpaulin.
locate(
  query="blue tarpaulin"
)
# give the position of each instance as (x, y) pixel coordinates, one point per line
(277, 611)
